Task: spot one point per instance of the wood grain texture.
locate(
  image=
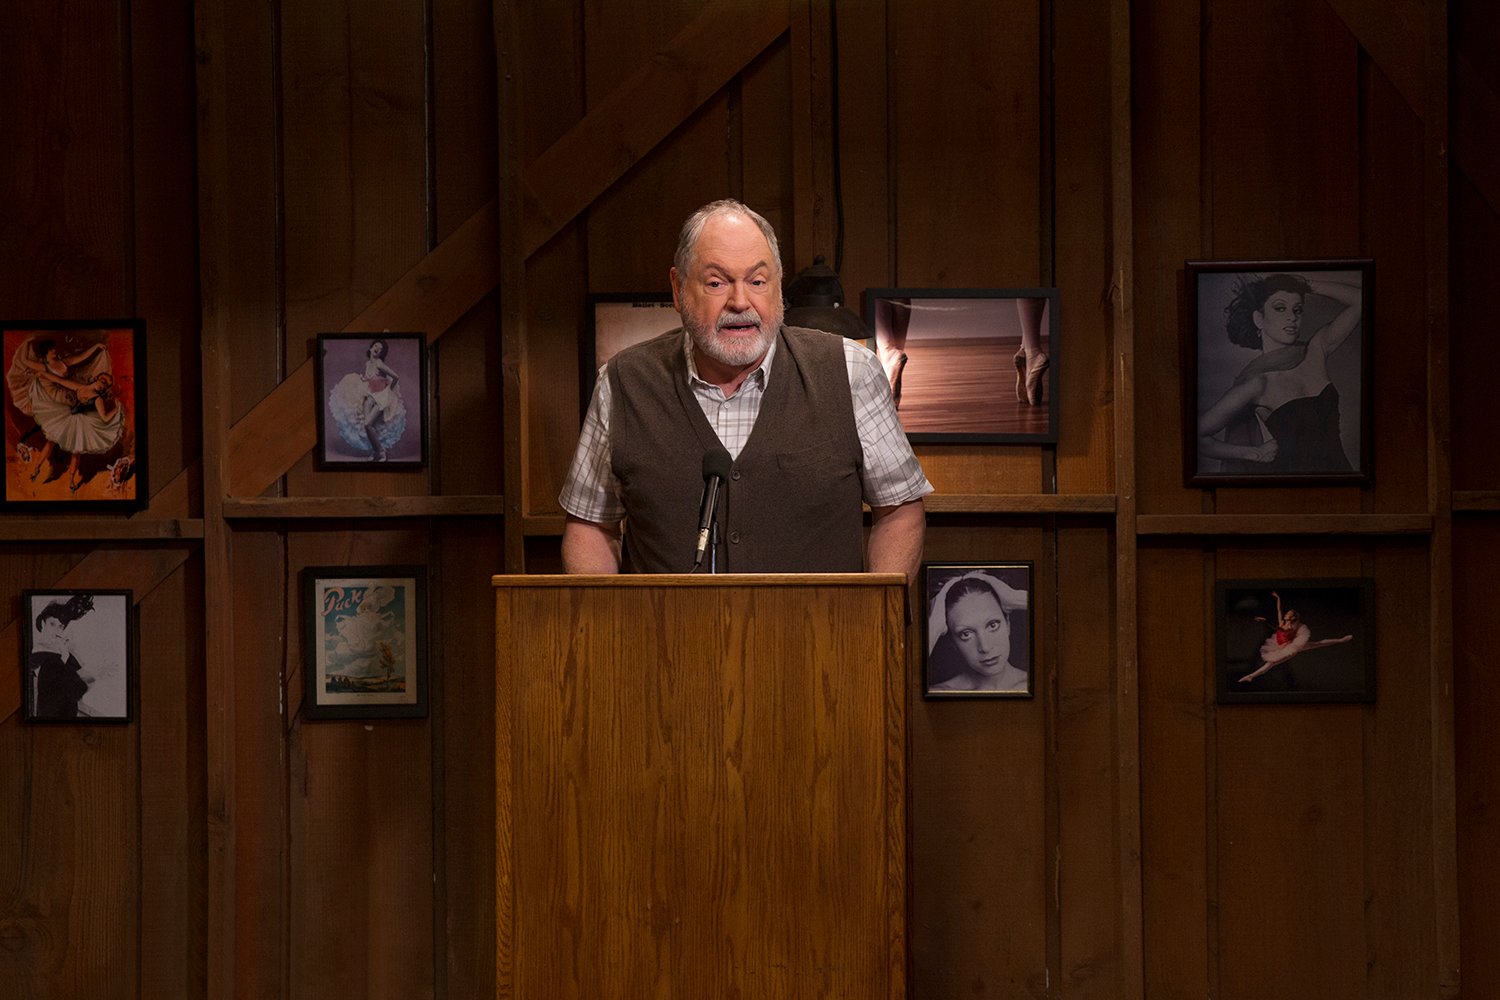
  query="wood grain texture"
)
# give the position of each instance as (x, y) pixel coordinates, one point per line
(980, 854)
(642, 110)
(1177, 779)
(695, 811)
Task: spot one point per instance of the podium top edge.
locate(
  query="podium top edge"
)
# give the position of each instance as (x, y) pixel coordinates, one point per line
(700, 580)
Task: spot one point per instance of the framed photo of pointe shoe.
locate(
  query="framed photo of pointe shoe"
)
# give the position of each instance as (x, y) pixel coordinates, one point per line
(372, 401)
(75, 415)
(969, 364)
(1289, 640)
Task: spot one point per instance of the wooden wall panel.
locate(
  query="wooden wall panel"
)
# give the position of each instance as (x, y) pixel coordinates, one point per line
(172, 787)
(1475, 236)
(1082, 690)
(1079, 258)
(262, 679)
(1476, 550)
(464, 685)
(1166, 63)
(359, 815)
(1391, 137)
(1476, 421)
(967, 203)
(1177, 775)
(354, 111)
(980, 858)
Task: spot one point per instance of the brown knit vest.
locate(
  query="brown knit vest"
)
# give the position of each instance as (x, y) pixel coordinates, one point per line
(792, 504)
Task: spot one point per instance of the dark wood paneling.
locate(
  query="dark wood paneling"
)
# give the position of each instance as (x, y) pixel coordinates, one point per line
(979, 852)
(1177, 776)
(360, 835)
(1167, 143)
(1078, 199)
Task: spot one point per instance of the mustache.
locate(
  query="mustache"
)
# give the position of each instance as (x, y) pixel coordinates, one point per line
(747, 318)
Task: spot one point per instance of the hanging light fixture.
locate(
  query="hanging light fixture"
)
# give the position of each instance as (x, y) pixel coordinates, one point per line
(815, 299)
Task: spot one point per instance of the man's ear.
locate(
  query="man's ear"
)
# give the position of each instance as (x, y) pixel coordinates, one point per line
(676, 291)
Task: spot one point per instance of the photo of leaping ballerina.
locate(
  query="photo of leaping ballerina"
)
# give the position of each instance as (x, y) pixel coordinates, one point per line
(1304, 640)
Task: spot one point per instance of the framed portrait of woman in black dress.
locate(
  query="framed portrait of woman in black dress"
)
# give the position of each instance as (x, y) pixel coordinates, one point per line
(77, 655)
(1278, 372)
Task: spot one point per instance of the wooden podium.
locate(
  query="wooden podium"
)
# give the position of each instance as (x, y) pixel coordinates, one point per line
(700, 787)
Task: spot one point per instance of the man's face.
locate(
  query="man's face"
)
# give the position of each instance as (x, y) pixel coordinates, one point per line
(730, 297)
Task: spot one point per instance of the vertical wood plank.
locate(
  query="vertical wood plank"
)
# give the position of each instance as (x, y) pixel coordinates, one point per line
(1085, 202)
(172, 788)
(1092, 946)
(359, 816)
(1169, 225)
(978, 850)
(1176, 824)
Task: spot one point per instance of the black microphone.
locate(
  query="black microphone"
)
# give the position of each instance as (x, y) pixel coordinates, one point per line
(716, 466)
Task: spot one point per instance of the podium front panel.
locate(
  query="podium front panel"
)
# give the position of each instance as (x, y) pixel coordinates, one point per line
(700, 787)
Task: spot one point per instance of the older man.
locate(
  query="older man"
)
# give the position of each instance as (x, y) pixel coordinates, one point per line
(826, 435)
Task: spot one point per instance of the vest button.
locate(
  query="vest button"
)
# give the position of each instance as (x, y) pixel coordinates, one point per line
(734, 538)
(734, 474)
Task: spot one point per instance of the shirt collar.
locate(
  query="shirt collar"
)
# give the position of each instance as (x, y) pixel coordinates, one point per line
(762, 373)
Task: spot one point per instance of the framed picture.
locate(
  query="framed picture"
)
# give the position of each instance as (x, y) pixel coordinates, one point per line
(1295, 640)
(617, 320)
(965, 365)
(372, 401)
(75, 415)
(1278, 376)
(77, 655)
(366, 642)
(979, 619)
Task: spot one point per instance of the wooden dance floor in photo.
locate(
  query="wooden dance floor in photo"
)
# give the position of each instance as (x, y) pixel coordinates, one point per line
(965, 387)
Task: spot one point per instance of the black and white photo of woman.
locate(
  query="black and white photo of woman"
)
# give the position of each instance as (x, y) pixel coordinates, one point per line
(78, 648)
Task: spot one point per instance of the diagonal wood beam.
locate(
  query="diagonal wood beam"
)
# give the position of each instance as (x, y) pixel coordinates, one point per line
(1475, 112)
(642, 111)
(432, 296)
(449, 281)
(1391, 32)
(281, 428)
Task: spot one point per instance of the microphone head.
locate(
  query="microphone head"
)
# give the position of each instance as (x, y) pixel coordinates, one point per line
(716, 464)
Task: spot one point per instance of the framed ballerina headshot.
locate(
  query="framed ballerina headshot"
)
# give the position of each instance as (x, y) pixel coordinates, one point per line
(969, 365)
(75, 415)
(372, 401)
(1295, 640)
(978, 630)
(1278, 372)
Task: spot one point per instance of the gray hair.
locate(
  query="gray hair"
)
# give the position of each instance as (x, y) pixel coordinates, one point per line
(692, 229)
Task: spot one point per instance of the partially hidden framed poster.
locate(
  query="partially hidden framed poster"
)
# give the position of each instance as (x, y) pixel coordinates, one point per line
(366, 634)
(979, 617)
(970, 365)
(615, 321)
(1278, 373)
(75, 415)
(372, 401)
(77, 655)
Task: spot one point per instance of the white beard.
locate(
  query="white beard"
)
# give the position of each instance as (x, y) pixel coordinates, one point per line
(735, 352)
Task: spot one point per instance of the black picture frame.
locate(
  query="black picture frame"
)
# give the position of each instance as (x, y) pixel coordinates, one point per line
(78, 655)
(75, 433)
(951, 355)
(1328, 656)
(366, 635)
(363, 414)
(1253, 413)
(997, 659)
(615, 321)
